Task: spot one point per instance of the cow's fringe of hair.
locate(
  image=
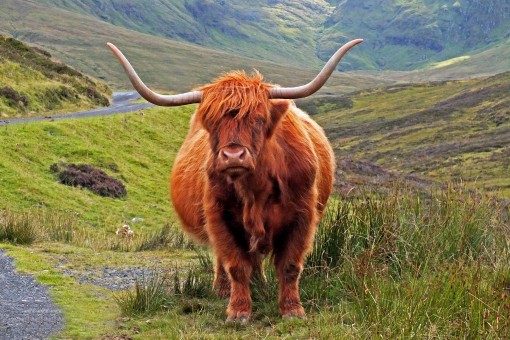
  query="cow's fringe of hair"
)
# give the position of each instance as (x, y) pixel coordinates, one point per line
(234, 90)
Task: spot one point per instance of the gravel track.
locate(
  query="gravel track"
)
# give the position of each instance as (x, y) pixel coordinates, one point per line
(26, 310)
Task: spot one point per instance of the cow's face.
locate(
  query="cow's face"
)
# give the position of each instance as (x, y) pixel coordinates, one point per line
(237, 141)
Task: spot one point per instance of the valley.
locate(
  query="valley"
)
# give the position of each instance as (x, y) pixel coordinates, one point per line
(415, 239)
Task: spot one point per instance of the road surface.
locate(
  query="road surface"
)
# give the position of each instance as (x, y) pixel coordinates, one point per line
(121, 103)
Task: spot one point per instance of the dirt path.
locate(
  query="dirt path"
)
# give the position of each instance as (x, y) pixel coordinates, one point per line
(26, 310)
(121, 103)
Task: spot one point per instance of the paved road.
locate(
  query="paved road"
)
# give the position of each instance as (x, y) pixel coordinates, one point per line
(122, 102)
(26, 311)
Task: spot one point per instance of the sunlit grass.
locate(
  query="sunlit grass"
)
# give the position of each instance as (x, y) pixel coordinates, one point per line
(450, 62)
(136, 149)
(32, 84)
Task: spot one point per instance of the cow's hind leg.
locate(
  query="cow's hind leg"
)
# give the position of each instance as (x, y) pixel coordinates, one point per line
(221, 284)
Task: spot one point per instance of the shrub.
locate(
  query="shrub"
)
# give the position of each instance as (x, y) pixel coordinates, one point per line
(89, 177)
(166, 238)
(14, 98)
(97, 97)
(150, 295)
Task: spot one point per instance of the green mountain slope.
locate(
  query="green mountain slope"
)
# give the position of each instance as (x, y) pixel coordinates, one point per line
(407, 35)
(281, 31)
(400, 35)
(443, 130)
(80, 41)
(31, 83)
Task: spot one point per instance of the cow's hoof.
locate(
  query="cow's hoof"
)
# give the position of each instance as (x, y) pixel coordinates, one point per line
(241, 317)
(296, 312)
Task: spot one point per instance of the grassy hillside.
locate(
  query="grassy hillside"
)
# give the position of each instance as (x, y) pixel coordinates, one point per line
(392, 266)
(165, 64)
(278, 31)
(443, 130)
(407, 35)
(400, 35)
(31, 83)
(136, 149)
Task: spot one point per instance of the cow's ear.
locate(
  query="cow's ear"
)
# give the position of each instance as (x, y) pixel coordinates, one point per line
(278, 110)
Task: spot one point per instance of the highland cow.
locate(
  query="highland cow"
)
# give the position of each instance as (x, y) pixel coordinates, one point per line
(252, 178)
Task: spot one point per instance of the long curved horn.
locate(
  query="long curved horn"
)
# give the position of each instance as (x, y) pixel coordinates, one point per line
(313, 86)
(151, 96)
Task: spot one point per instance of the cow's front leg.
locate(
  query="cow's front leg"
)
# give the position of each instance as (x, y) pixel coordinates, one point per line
(290, 249)
(238, 267)
(239, 307)
(234, 259)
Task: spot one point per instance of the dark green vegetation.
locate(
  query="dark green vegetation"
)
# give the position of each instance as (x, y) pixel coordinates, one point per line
(442, 130)
(31, 83)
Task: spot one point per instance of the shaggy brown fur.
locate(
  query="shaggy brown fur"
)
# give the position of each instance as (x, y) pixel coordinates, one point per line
(272, 206)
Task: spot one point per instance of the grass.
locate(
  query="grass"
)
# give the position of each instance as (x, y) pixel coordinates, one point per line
(34, 84)
(136, 149)
(403, 265)
(45, 225)
(450, 62)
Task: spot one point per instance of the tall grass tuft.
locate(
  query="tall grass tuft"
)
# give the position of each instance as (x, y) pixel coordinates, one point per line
(17, 228)
(408, 231)
(167, 237)
(157, 292)
(39, 225)
(150, 295)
